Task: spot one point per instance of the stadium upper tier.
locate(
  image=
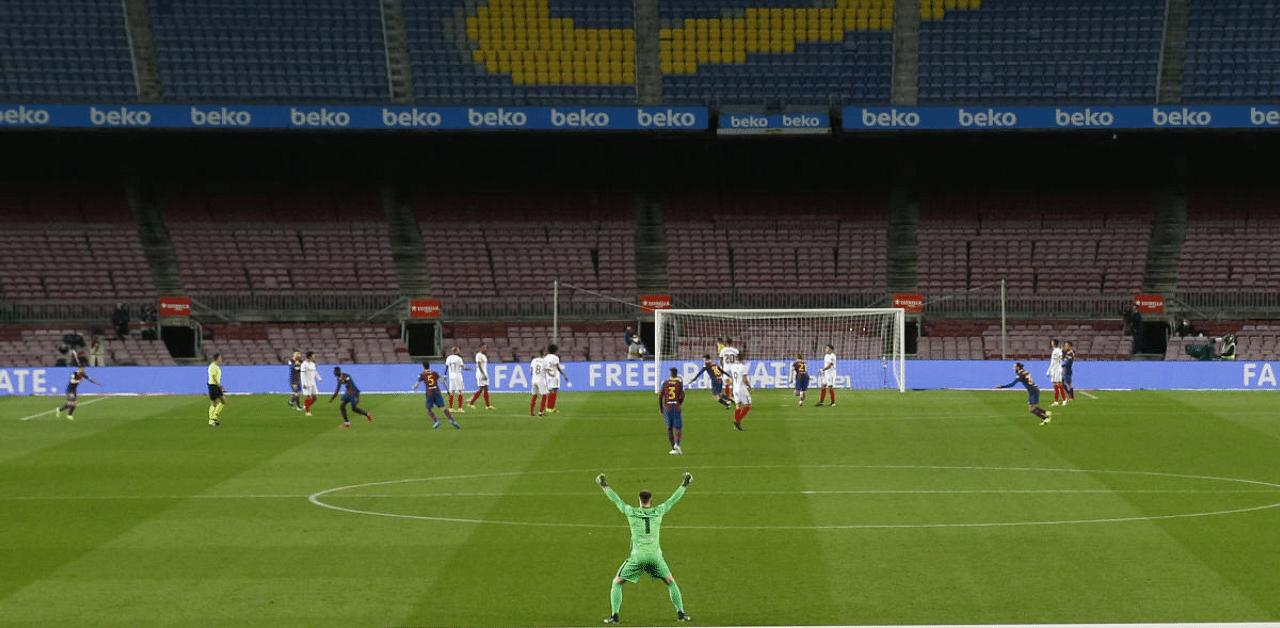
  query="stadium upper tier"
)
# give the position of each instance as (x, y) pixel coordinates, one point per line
(1233, 51)
(704, 52)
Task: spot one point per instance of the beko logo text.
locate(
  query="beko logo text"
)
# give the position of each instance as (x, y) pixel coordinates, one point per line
(220, 117)
(123, 116)
(890, 118)
(22, 115)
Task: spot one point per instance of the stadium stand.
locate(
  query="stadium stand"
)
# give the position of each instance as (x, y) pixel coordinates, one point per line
(769, 243)
(500, 253)
(333, 343)
(254, 242)
(38, 346)
(526, 51)
(1233, 51)
(270, 50)
(79, 244)
(1026, 340)
(66, 50)
(1255, 340)
(1054, 243)
(723, 52)
(1224, 247)
(1015, 51)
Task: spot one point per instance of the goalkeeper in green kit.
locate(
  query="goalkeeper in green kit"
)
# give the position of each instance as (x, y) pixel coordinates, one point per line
(646, 552)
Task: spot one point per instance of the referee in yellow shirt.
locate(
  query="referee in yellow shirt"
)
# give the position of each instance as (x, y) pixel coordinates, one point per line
(217, 394)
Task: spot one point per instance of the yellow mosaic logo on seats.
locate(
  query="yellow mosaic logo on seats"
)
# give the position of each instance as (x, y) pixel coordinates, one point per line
(520, 38)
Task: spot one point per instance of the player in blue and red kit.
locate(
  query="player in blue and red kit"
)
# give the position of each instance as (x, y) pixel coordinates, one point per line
(1068, 360)
(434, 398)
(1033, 392)
(713, 369)
(352, 396)
(800, 377)
(70, 406)
(669, 402)
(295, 380)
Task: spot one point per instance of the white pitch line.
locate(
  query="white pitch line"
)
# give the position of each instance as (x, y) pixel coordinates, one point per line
(1086, 393)
(316, 499)
(78, 404)
(32, 498)
(993, 491)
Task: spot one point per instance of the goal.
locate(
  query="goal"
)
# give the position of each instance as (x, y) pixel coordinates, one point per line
(869, 343)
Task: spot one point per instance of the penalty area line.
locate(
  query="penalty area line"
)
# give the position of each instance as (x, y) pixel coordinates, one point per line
(1086, 393)
(78, 404)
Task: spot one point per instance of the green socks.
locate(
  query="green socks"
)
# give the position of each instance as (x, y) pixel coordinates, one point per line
(615, 597)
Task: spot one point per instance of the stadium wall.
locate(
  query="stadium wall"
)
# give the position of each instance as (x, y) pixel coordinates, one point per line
(608, 376)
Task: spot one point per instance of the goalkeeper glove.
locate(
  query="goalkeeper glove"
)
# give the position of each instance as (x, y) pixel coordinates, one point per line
(688, 477)
(601, 482)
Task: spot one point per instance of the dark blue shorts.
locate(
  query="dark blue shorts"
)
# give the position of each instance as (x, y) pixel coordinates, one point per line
(802, 382)
(1066, 378)
(1033, 397)
(717, 386)
(674, 420)
(351, 399)
(435, 400)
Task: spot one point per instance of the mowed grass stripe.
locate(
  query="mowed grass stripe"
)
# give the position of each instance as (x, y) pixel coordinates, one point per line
(156, 446)
(1197, 433)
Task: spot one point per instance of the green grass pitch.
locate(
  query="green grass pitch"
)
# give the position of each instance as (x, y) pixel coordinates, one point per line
(940, 507)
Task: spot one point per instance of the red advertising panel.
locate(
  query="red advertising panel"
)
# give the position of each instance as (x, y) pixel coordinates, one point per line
(175, 306)
(424, 308)
(651, 302)
(1149, 303)
(909, 302)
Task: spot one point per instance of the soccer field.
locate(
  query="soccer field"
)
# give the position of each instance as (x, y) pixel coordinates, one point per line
(939, 507)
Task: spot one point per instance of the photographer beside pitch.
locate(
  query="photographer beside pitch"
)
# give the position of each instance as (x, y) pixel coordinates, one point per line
(646, 550)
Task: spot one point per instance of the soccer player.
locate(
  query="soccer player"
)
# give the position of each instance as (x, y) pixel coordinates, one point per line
(352, 396)
(827, 376)
(728, 353)
(1055, 372)
(538, 383)
(217, 394)
(295, 380)
(717, 380)
(741, 392)
(554, 373)
(669, 402)
(1068, 361)
(482, 378)
(646, 547)
(800, 377)
(310, 381)
(1033, 392)
(77, 376)
(453, 368)
(432, 381)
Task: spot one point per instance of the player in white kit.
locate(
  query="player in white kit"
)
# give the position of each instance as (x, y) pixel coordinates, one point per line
(554, 373)
(741, 391)
(310, 381)
(538, 383)
(827, 376)
(482, 378)
(1055, 372)
(453, 368)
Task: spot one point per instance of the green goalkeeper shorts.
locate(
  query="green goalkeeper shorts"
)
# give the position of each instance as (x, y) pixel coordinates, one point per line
(655, 566)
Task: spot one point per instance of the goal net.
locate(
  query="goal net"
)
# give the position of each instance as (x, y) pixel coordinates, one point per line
(869, 344)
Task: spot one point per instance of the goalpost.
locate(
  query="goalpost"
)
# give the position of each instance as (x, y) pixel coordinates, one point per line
(869, 343)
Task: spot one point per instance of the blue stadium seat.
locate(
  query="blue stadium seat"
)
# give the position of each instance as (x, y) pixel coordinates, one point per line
(274, 51)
